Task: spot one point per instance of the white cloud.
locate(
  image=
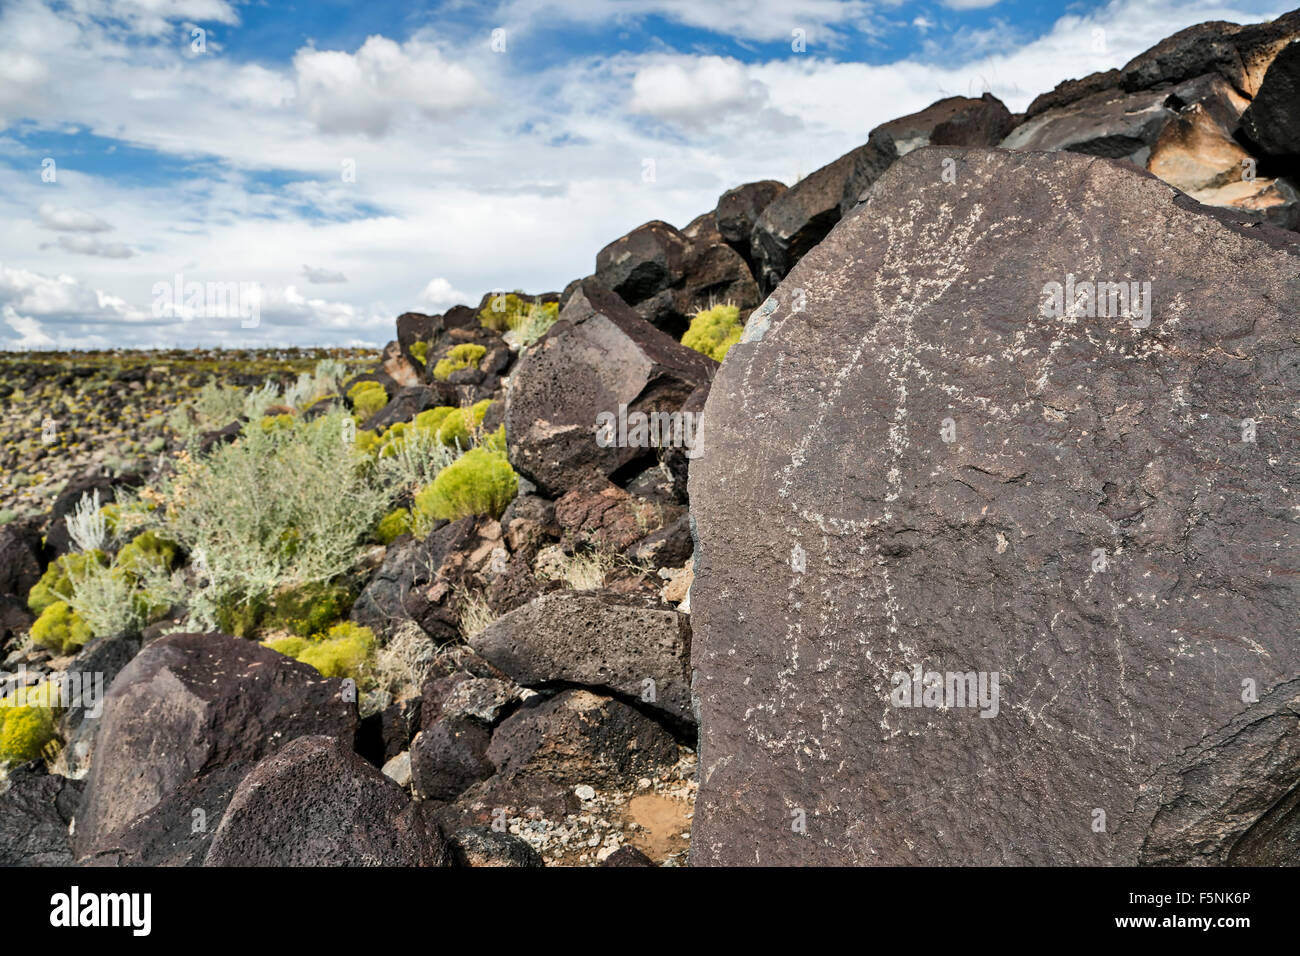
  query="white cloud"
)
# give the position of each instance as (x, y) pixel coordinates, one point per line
(439, 294)
(696, 90)
(364, 92)
(516, 189)
(91, 246)
(71, 220)
(969, 4)
(322, 276)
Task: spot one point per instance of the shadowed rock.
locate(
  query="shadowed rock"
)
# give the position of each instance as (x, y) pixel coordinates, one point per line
(188, 705)
(316, 803)
(599, 356)
(598, 640)
(921, 470)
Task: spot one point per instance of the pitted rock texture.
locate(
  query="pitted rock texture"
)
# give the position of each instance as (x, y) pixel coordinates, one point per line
(598, 640)
(316, 803)
(186, 707)
(1110, 528)
(599, 356)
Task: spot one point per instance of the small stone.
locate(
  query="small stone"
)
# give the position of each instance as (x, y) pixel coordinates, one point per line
(584, 792)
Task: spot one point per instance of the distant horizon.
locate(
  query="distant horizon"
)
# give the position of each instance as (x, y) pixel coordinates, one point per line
(356, 161)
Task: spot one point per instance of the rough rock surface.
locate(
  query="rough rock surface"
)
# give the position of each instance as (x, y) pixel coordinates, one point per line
(35, 810)
(1272, 121)
(316, 803)
(578, 737)
(483, 846)
(189, 704)
(599, 356)
(1109, 527)
(598, 640)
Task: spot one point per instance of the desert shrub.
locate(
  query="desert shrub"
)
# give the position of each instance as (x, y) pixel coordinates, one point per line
(27, 724)
(367, 441)
(714, 331)
(56, 583)
(480, 482)
(146, 550)
(458, 427)
(421, 351)
(580, 571)
(411, 457)
(536, 323)
(367, 398)
(284, 507)
(514, 312)
(308, 608)
(283, 420)
(432, 418)
(342, 651)
(475, 614)
(393, 525)
(214, 406)
(87, 525)
(111, 600)
(460, 357)
(60, 629)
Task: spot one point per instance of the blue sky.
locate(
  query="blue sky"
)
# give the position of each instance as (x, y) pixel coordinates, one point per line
(493, 145)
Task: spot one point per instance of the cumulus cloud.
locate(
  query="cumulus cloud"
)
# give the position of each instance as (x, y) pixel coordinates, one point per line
(696, 90)
(322, 276)
(364, 92)
(91, 246)
(439, 294)
(70, 220)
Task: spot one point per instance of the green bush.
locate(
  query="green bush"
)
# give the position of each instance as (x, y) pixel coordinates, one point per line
(284, 507)
(421, 351)
(343, 651)
(514, 312)
(308, 608)
(367, 398)
(480, 482)
(714, 331)
(393, 525)
(56, 583)
(60, 628)
(460, 357)
(27, 724)
(145, 551)
(456, 429)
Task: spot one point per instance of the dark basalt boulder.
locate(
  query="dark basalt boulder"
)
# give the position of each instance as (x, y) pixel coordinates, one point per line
(483, 846)
(952, 477)
(415, 327)
(22, 557)
(316, 803)
(1272, 121)
(614, 644)
(35, 810)
(188, 705)
(578, 737)
(739, 208)
(598, 357)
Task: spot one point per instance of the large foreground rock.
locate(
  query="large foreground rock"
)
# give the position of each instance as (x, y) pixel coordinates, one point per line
(599, 640)
(921, 471)
(316, 803)
(188, 706)
(599, 356)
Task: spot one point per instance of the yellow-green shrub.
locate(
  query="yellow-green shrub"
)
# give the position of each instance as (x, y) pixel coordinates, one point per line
(145, 550)
(393, 525)
(480, 482)
(460, 357)
(343, 651)
(56, 583)
(26, 724)
(421, 351)
(60, 628)
(714, 331)
(367, 398)
(308, 608)
(458, 425)
(512, 311)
